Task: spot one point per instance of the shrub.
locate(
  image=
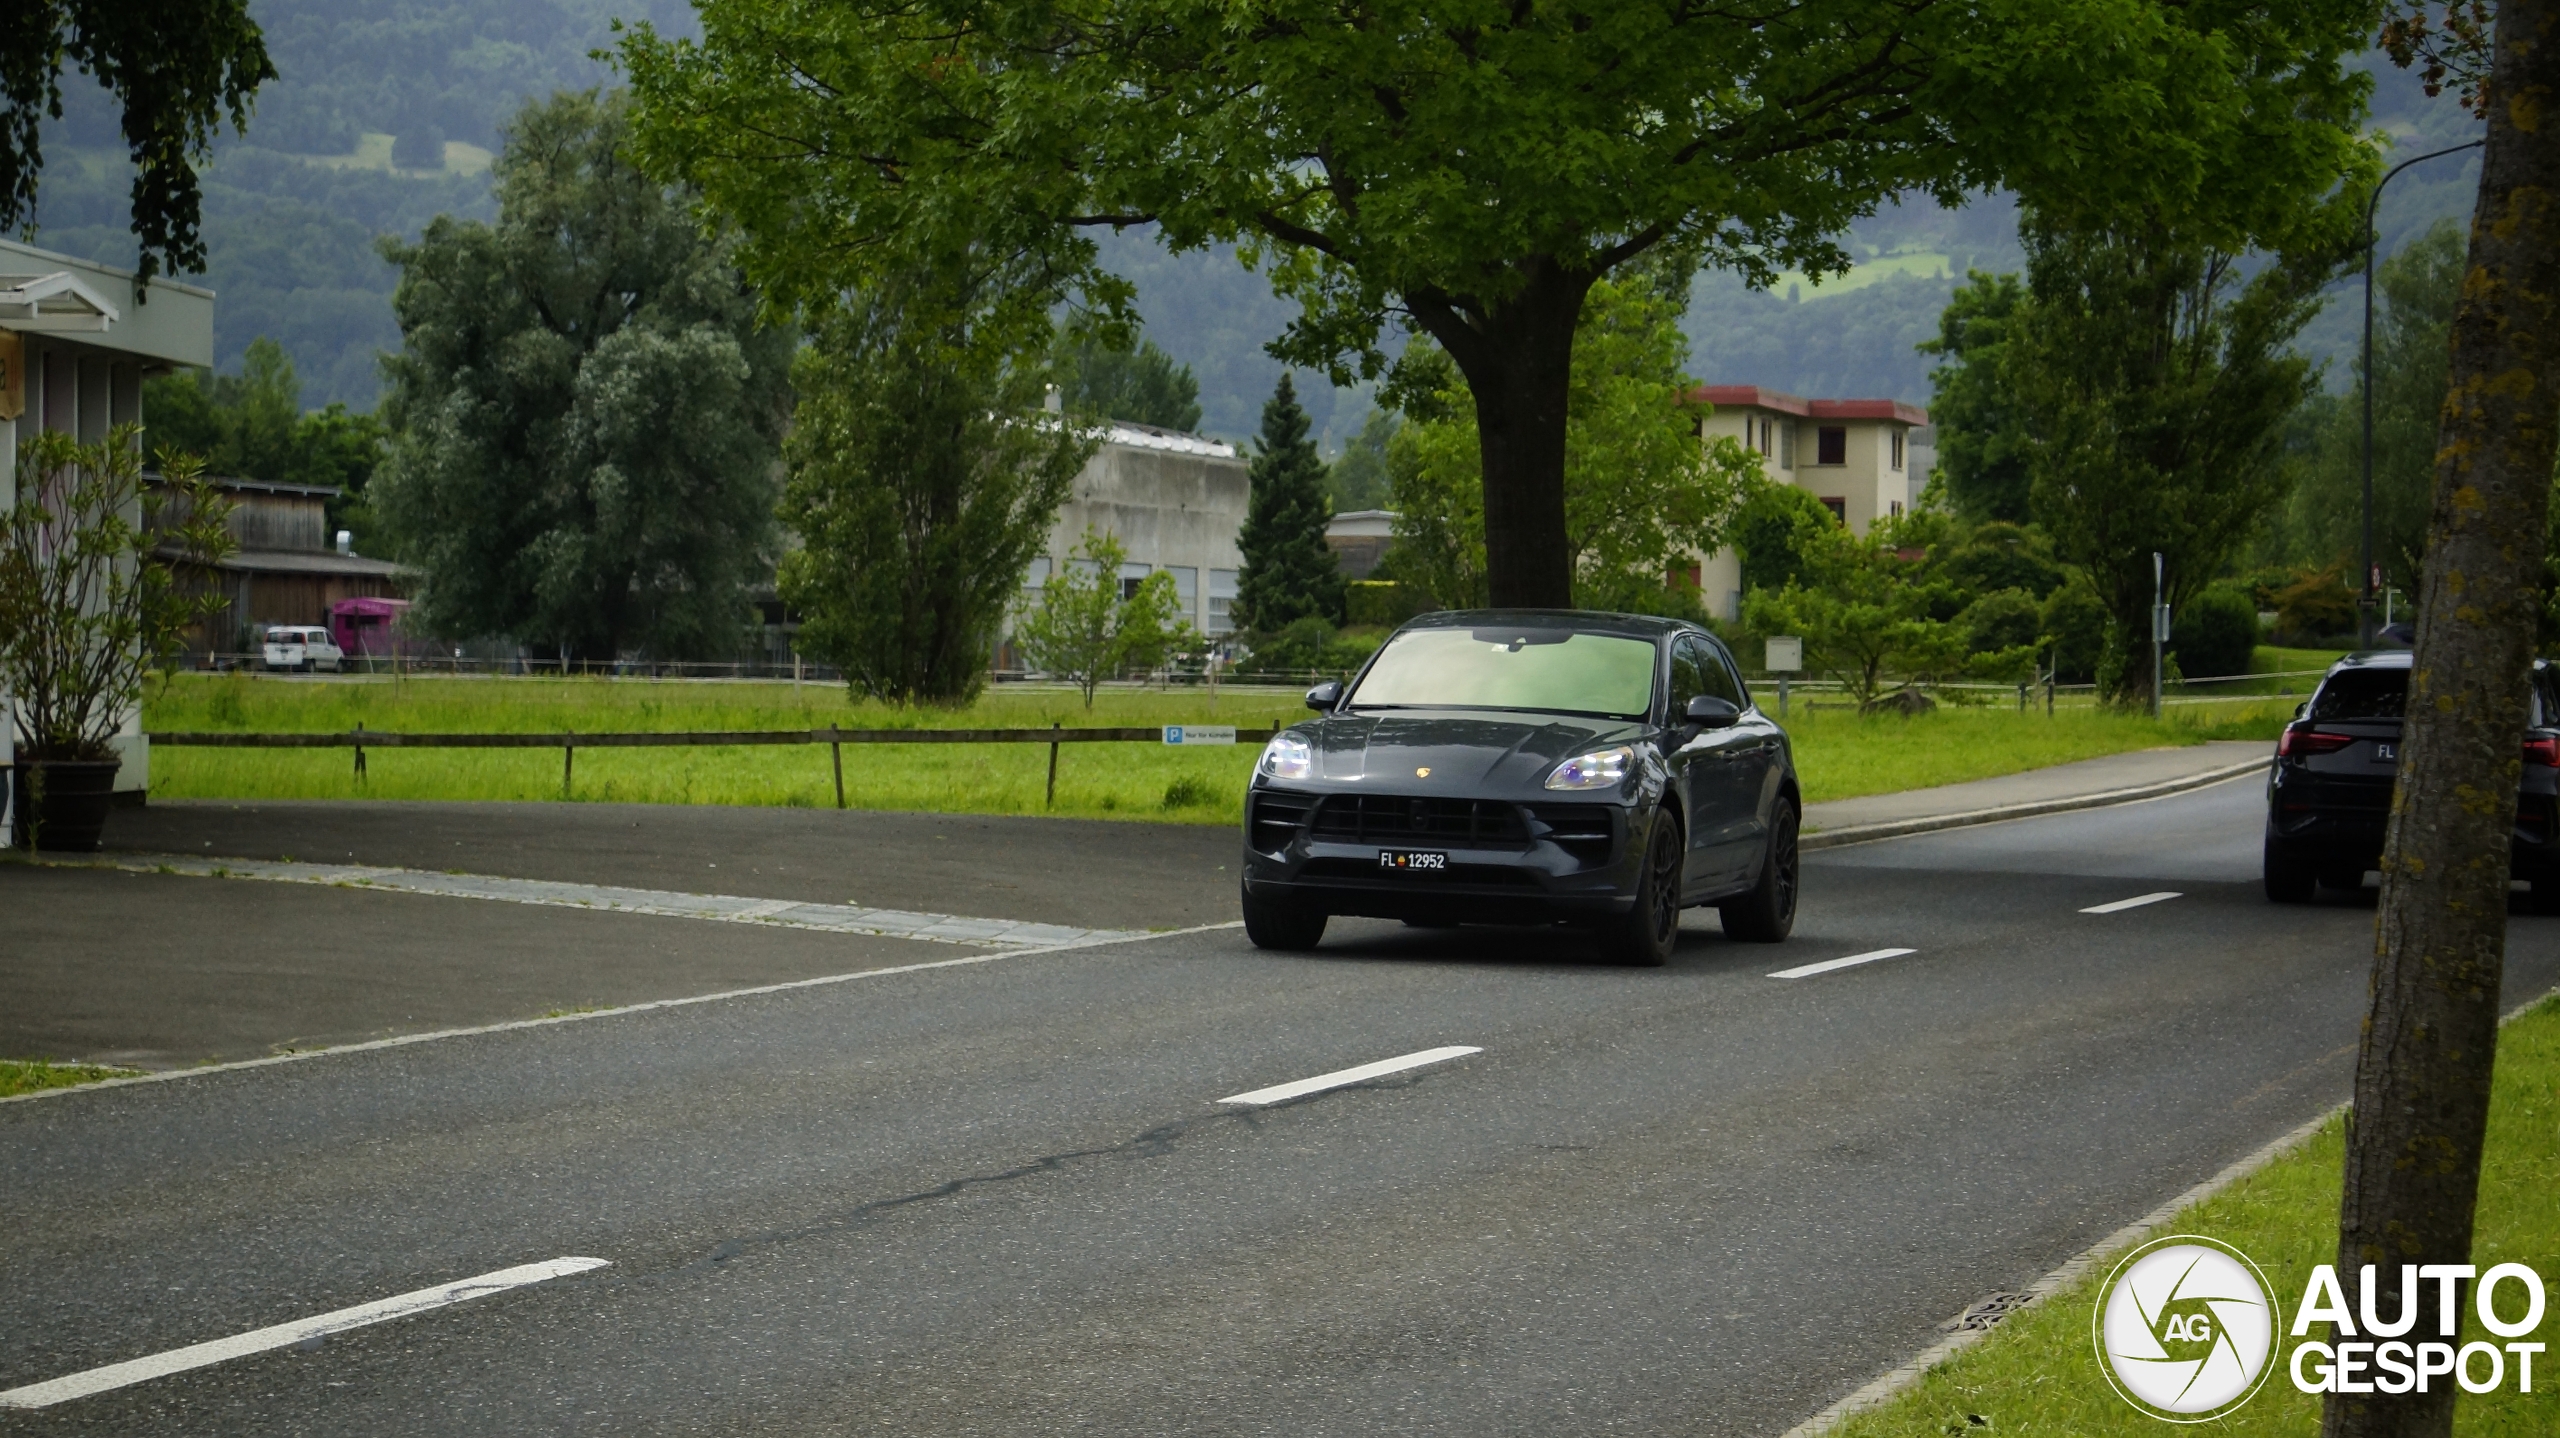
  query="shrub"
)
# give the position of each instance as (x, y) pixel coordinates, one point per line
(1383, 602)
(2075, 625)
(1189, 792)
(2002, 619)
(2218, 634)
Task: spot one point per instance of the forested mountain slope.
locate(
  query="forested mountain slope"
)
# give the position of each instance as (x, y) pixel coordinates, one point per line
(386, 111)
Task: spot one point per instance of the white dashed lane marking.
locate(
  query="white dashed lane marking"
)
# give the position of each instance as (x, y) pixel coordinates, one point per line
(285, 1335)
(1806, 971)
(1279, 1093)
(2136, 902)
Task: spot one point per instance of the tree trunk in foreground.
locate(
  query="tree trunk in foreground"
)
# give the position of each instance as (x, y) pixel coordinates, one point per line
(2422, 1074)
(1518, 361)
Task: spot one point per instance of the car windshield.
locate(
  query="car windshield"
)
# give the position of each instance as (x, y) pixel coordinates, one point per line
(2362, 694)
(1551, 671)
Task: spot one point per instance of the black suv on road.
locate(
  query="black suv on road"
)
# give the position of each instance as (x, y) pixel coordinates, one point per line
(2329, 796)
(1528, 766)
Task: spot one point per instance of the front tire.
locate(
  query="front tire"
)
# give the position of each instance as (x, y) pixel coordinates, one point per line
(1644, 935)
(2288, 879)
(1282, 924)
(1767, 914)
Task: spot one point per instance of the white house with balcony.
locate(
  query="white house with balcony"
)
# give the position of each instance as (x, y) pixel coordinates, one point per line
(1854, 455)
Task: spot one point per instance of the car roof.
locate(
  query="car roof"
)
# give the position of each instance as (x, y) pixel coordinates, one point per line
(1580, 621)
(2396, 659)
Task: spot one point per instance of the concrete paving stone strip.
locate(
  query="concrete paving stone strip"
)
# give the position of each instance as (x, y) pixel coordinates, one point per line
(722, 908)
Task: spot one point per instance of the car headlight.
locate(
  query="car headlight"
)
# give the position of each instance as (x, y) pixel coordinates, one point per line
(1288, 757)
(1599, 769)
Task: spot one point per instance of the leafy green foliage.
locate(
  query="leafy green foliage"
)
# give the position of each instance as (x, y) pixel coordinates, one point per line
(2415, 294)
(1358, 477)
(178, 68)
(2075, 625)
(1141, 386)
(586, 412)
(1289, 574)
(1089, 626)
(1864, 611)
(1470, 170)
(2156, 379)
(1776, 529)
(89, 601)
(1999, 555)
(921, 488)
(1641, 493)
(2316, 606)
(1983, 450)
(251, 425)
(2217, 634)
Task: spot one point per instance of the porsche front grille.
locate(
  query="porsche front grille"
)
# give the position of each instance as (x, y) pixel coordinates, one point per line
(1398, 819)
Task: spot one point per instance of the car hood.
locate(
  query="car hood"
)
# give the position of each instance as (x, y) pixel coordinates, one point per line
(1464, 751)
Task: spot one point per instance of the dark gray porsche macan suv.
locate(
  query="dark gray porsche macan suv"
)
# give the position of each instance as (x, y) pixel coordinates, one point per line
(1528, 767)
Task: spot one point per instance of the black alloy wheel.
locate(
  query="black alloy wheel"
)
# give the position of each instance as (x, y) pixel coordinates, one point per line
(1282, 924)
(1645, 935)
(1767, 914)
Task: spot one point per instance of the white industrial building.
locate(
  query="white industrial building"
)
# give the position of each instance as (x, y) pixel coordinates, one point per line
(1175, 502)
(76, 341)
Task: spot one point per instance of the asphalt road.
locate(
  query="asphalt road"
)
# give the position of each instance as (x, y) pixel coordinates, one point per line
(1003, 1199)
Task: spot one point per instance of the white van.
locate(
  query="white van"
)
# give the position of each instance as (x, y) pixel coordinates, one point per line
(303, 646)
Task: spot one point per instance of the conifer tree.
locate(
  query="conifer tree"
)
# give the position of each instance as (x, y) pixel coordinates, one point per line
(1289, 573)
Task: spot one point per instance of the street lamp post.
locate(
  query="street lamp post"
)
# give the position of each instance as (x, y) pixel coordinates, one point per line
(2364, 606)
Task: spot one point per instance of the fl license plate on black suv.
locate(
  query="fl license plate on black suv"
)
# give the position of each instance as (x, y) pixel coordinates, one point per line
(1409, 861)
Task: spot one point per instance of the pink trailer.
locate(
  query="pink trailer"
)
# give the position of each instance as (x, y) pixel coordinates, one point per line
(367, 628)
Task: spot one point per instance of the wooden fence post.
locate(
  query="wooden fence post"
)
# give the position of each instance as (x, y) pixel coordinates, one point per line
(1053, 770)
(359, 751)
(568, 762)
(837, 746)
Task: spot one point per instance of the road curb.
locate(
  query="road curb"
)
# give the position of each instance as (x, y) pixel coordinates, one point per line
(1930, 823)
(1890, 1384)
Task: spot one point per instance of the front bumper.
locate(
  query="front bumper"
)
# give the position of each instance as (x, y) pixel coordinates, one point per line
(1510, 861)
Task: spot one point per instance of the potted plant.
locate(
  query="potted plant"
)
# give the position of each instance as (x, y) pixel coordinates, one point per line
(90, 605)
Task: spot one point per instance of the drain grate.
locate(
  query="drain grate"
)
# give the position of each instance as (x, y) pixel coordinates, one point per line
(1986, 1314)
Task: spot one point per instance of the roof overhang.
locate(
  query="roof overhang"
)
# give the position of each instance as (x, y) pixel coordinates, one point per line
(1752, 396)
(57, 303)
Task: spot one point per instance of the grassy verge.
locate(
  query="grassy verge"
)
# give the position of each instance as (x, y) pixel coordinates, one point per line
(1841, 754)
(19, 1076)
(2038, 1374)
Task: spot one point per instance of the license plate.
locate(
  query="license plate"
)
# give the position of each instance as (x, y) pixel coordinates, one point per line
(2385, 753)
(1413, 860)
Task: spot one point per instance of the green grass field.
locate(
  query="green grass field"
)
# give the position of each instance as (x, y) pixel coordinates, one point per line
(1840, 754)
(2038, 1373)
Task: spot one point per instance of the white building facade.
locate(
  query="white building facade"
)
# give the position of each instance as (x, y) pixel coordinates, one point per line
(1175, 502)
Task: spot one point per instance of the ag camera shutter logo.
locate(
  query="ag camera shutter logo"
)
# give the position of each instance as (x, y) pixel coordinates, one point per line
(2184, 1328)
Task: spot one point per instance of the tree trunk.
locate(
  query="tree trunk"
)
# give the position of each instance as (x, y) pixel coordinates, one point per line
(1517, 357)
(2422, 1073)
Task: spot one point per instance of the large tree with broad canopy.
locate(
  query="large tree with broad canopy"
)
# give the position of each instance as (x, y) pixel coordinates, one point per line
(1465, 168)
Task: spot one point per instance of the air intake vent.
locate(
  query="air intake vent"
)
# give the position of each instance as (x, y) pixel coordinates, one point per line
(1277, 816)
(1390, 818)
(1589, 832)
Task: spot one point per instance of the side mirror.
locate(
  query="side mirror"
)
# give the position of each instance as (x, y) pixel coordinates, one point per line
(1709, 712)
(2302, 708)
(1324, 696)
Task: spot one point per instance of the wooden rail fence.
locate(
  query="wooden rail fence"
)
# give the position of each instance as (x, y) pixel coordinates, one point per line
(360, 739)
